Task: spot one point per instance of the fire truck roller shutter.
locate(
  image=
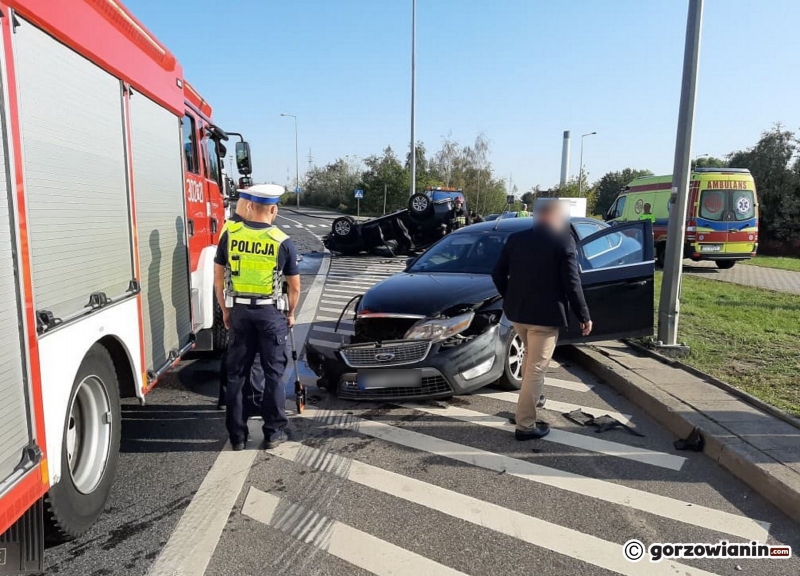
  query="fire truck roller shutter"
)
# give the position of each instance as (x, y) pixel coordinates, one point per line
(163, 253)
(75, 175)
(14, 430)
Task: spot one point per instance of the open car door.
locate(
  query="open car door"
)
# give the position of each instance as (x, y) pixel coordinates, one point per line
(617, 270)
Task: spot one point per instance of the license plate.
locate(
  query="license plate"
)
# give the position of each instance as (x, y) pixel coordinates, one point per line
(384, 378)
(710, 248)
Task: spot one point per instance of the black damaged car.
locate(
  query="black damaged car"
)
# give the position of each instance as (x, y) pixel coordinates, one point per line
(438, 328)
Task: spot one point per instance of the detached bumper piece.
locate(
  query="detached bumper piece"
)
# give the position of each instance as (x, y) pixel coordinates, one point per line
(22, 546)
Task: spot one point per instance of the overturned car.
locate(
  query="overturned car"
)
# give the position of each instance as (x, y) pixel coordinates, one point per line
(438, 329)
(425, 221)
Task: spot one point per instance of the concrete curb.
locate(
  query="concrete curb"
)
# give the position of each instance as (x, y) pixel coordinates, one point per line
(768, 477)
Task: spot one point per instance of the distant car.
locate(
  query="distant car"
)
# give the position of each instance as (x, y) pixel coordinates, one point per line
(438, 328)
(402, 232)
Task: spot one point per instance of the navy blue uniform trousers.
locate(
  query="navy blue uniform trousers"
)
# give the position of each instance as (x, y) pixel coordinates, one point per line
(255, 330)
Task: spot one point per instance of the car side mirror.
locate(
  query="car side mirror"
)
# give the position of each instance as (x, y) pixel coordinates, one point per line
(243, 162)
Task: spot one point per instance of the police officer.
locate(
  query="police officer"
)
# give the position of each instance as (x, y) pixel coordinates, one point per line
(259, 258)
(524, 212)
(254, 383)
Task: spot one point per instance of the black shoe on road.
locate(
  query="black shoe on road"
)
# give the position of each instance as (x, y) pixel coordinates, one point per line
(277, 440)
(238, 446)
(541, 430)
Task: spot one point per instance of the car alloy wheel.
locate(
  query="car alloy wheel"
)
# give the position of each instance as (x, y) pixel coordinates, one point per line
(420, 203)
(342, 227)
(516, 357)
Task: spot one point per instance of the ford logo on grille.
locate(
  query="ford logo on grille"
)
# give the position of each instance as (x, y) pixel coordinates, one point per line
(384, 356)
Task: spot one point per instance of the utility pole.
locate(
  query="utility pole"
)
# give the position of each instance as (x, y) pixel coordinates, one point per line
(310, 160)
(413, 95)
(669, 304)
(384, 199)
(296, 159)
(580, 173)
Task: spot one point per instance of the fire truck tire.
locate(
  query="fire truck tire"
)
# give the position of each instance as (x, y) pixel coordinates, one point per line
(420, 206)
(725, 264)
(90, 449)
(218, 332)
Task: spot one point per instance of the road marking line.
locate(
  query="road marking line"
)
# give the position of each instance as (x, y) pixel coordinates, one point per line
(341, 540)
(604, 490)
(334, 310)
(556, 406)
(567, 384)
(324, 343)
(642, 455)
(331, 330)
(344, 297)
(336, 290)
(540, 533)
(329, 319)
(193, 541)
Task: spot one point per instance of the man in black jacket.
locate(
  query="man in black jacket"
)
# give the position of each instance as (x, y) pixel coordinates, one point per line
(537, 276)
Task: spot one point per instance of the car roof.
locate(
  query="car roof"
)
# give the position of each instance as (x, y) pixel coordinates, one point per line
(511, 225)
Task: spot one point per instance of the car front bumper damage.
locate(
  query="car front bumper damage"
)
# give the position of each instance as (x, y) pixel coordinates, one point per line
(454, 366)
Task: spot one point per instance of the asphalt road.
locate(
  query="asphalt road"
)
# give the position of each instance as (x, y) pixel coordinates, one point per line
(428, 489)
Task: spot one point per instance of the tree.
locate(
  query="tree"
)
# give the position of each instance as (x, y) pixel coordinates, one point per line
(384, 173)
(777, 182)
(609, 186)
(709, 162)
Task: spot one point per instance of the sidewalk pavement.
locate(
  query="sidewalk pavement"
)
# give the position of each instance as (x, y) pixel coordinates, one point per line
(758, 276)
(759, 448)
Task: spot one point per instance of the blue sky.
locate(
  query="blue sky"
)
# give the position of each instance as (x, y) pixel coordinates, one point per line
(520, 71)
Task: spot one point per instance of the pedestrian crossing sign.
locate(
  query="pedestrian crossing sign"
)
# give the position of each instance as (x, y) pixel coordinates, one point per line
(359, 194)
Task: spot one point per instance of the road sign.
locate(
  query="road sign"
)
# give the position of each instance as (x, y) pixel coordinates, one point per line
(359, 194)
(297, 190)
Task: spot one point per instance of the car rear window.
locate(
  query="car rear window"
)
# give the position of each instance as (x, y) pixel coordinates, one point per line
(744, 204)
(712, 204)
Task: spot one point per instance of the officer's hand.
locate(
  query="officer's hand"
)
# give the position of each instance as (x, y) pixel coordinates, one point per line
(586, 328)
(226, 318)
(290, 320)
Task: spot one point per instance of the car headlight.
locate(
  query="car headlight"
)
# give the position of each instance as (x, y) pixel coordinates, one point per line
(440, 329)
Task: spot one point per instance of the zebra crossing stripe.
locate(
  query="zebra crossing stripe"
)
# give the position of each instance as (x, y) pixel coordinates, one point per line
(540, 533)
(641, 455)
(556, 406)
(603, 490)
(337, 539)
(567, 384)
(330, 330)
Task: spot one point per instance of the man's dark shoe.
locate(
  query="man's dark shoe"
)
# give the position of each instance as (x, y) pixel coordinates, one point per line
(276, 440)
(238, 446)
(541, 430)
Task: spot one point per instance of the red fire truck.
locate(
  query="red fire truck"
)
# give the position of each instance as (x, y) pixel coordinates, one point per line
(113, 183)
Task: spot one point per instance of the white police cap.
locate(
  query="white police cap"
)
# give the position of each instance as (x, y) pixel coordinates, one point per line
(262, 193)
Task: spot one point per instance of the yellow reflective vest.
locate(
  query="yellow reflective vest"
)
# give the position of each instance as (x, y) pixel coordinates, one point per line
(253, 260)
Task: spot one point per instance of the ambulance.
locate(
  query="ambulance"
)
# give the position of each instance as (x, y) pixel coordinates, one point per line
(112, 196)
(721, 216)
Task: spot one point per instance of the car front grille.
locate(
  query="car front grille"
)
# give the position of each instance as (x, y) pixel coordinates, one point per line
(386, 354)
(431, 386)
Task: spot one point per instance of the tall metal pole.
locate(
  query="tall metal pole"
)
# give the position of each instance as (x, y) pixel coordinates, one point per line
(565, 159)
(669, 304)
(384, 199)
(413, 95)
(296, 160)
(580, 172)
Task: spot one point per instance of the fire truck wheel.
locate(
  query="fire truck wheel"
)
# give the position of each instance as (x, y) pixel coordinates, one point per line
(90, 448)
(218, 332)
(420, 206)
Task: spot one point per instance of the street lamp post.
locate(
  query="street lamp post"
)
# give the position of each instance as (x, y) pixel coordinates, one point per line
(413, 95)
(296, 160)
(669, 302)
(580, 172)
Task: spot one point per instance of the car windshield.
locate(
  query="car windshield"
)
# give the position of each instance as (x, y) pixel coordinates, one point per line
(474, 253)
